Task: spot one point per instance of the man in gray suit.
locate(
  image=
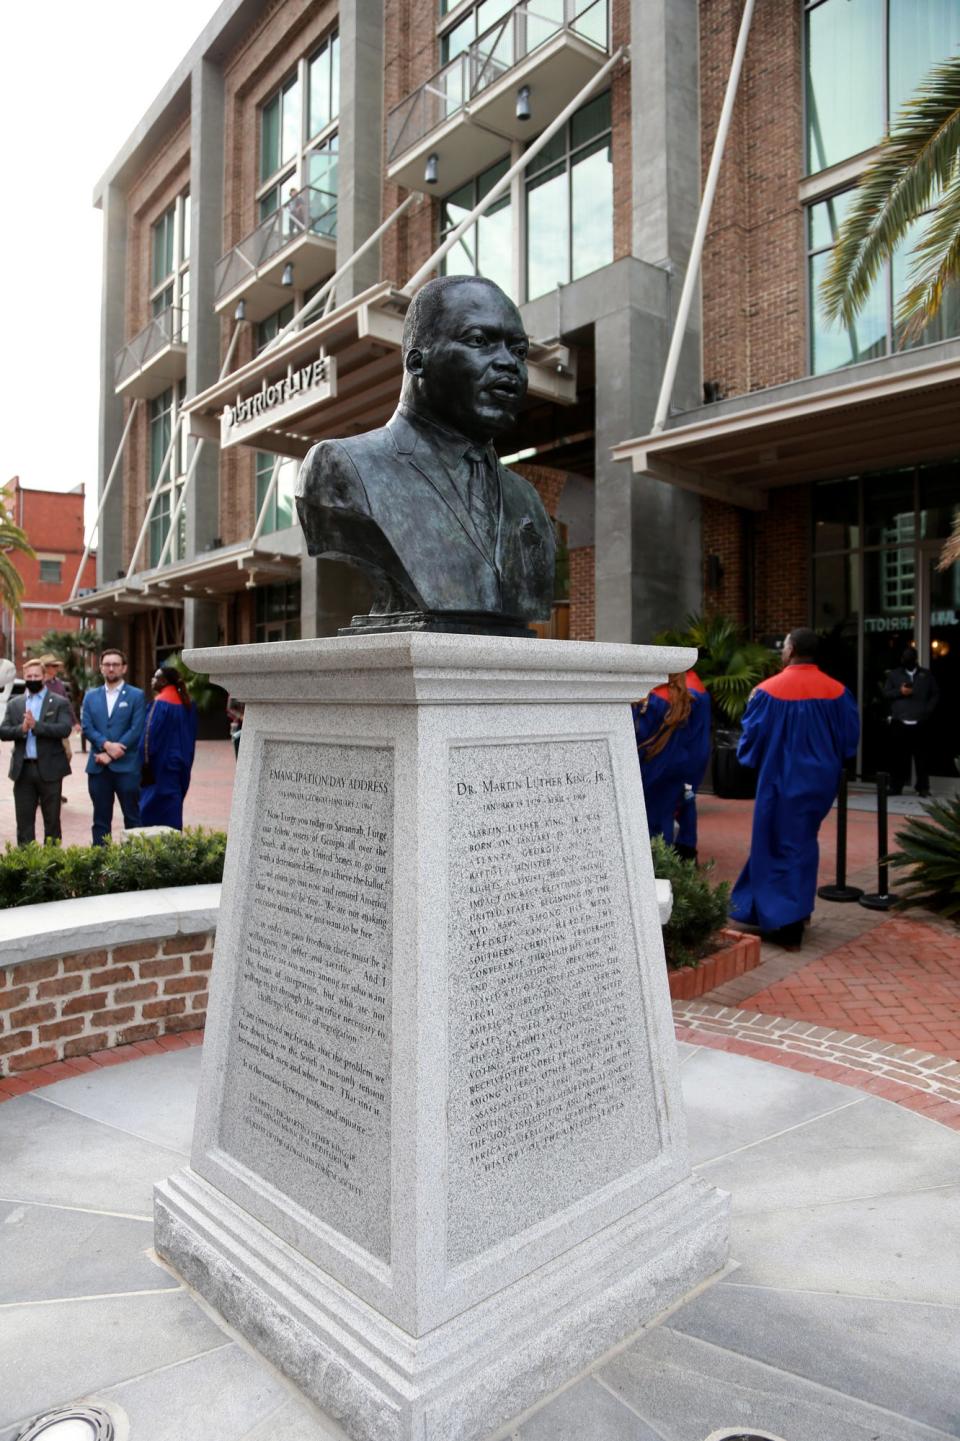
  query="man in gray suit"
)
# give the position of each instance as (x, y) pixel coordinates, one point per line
(37, 723)
(450, 538)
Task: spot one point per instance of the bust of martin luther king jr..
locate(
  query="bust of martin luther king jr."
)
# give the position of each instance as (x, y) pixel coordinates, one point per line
(422, 504)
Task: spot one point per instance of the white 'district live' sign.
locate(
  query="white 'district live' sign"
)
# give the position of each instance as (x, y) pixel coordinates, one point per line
(278, 401)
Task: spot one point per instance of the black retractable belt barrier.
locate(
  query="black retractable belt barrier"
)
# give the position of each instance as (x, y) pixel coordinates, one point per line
(841, 891)
(881, 899)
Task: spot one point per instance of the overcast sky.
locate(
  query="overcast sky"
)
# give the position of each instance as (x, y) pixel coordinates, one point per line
(74, 81)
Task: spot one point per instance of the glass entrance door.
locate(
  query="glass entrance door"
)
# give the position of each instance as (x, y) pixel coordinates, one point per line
(940, 650)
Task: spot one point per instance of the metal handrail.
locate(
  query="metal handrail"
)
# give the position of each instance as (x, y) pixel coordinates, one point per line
(309, 212)
(511, 39)
(164, 329)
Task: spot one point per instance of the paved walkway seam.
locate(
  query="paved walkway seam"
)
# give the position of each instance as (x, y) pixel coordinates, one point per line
(919, 1080)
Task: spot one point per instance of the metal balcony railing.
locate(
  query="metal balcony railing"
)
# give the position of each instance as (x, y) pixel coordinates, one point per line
(164, 330)
(309, 212)
(519, 33)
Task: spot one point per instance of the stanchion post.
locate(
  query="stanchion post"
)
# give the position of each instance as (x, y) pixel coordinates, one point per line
(841, 891)
(881, 899)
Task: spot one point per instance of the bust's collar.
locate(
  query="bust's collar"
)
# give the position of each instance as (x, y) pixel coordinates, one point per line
(451, 445)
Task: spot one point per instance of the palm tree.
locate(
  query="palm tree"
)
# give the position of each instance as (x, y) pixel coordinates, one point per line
(12, 538)
(728, 664)
(916, 169)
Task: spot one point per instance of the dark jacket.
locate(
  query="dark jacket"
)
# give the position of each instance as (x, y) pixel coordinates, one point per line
(917, 707)
(124, 725)
(54, 725)
(387, 500)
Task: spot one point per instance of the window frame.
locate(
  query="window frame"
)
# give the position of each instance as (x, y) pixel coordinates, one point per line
(568, 160)
(169, 491)
(295, 170)
(177, 279)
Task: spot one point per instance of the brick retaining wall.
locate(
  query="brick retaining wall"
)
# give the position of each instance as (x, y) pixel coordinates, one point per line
(86, 1001)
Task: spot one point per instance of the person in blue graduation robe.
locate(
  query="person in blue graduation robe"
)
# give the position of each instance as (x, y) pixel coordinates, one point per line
(167, 748)
(798, 729)
(699, 740)
(672, 748)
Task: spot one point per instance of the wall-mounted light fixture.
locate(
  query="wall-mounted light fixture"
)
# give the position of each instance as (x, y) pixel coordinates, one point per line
(287, 277)
(430, 174)
(523, 103)
(241, 311)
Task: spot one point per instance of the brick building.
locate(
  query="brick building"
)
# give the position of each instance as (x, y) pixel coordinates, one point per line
(334, 151)
(53, 522)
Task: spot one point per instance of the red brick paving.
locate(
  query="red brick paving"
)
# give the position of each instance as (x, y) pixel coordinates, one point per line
(900, 982)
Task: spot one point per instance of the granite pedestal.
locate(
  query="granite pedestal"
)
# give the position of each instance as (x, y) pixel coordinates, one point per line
(440, 1162)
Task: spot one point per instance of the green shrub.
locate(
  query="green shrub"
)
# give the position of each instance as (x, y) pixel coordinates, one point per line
(31, 874)
(928, 848)
(699, 907)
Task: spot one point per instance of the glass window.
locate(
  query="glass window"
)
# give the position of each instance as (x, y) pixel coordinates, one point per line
(875, 330)
(835, 345)
(922, 33)
(161, 419)
(888, 508)
(864, 60)
(939, 501)
(836, 615)
(169, 259)
(845, 89)
(277, 612)
(835, 518)
(323, 83)
(51, 571)
(280, 512)
(164, 415)
(280, 128)
(323, 164)
(162, 240)
(569, 196)
(487, 247)
(268, 329)
(298, 175)
(947, 320)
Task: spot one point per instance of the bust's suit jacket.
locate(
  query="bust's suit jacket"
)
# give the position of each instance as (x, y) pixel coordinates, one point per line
(54, 725)
(124, 725)
(387, 500)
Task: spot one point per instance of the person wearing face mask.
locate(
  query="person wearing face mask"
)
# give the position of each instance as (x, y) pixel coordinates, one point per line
(912, 694)
(37, 723)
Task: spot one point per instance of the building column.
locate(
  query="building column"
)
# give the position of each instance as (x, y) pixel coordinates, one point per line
(330, 592)
(648, 570)
(110, 535)
(361, 134)
(202, 507)
(647, 533)
(665, 129)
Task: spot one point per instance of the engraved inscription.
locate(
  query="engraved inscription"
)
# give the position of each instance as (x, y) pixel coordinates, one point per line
(551, 1095)
(307, 1094)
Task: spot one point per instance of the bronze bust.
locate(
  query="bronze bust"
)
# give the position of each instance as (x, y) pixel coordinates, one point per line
(451, 539)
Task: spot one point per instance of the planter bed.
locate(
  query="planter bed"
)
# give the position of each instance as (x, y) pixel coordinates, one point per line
(736, 955)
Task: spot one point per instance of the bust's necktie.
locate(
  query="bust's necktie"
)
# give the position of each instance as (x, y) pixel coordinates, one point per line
(482, 494)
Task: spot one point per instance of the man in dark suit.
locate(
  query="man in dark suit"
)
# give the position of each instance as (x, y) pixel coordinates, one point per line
(112, 720)
(913, 694)
(423, 505)
(37, 723)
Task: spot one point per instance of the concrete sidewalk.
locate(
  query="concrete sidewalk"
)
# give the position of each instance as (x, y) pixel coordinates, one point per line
(840, 1322)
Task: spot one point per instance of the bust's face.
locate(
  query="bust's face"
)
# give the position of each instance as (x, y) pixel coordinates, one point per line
(472, 376)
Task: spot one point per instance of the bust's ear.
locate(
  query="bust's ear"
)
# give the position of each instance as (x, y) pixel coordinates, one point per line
(413, 361)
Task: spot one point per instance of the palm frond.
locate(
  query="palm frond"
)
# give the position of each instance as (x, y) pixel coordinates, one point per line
(916, 161)
(951, 550)
(935, 265)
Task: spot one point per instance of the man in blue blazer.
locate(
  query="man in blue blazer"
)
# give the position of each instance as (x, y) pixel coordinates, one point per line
(112, 721)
